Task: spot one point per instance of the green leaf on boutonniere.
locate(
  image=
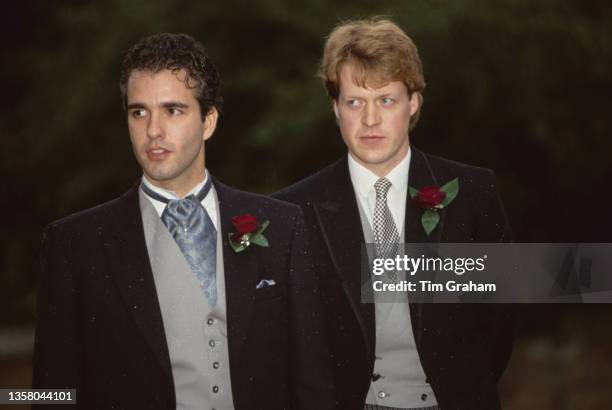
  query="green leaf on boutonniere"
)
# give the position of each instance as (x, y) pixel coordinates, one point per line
(261, 229)
(248, 238)
(413, 192)
(259, 239)
(451, 189)
(236, 246)
(429, 220)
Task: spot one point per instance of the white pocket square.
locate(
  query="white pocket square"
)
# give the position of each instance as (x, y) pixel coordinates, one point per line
(265, 283)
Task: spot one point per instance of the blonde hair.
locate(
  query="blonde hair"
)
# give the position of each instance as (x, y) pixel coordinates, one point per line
(379, 52)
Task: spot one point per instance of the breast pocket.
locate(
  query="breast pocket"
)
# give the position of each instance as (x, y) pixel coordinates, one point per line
(269, 292)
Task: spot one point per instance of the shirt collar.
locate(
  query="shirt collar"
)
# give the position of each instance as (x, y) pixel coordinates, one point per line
(363, 179)
(172, 194)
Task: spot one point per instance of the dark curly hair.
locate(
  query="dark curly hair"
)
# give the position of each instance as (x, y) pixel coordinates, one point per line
(175, 52)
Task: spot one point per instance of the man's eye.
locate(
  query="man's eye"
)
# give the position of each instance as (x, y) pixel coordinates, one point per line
(138, 113)
(353, 103)
(174, 111)
(387, 101)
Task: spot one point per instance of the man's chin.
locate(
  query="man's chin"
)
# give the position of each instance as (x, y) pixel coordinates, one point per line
(372, 158)
(158, 177)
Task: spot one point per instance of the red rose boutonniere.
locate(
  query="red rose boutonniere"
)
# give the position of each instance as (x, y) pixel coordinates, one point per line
(248, 231)
(433, 198)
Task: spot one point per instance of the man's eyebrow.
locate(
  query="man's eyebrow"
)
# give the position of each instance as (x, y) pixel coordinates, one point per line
(376, 95)
(135, 106)
(167, 104)
(174, 104)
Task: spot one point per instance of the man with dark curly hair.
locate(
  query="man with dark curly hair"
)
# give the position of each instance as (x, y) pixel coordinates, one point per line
(182, 293)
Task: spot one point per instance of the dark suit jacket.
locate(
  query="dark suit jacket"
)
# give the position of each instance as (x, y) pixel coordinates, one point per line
(463, 348)
(100, 328)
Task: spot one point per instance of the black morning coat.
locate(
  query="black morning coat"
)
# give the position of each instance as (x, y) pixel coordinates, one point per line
(463, 348)
(100, 326)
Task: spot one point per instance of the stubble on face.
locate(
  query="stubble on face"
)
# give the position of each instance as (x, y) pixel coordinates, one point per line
(167, 130)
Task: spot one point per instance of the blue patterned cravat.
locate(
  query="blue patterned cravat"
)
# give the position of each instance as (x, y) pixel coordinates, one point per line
(195, 234)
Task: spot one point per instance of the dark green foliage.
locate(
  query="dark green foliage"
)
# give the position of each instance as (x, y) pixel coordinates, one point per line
(519, 86)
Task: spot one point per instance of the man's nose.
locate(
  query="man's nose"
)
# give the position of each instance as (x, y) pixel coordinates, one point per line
(155, 127)
(371, 115)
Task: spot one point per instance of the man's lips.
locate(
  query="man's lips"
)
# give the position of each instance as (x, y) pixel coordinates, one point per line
(157, 154)
(372, 138)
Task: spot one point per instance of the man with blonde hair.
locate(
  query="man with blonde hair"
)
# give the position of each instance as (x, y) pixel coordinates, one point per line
(396, 355)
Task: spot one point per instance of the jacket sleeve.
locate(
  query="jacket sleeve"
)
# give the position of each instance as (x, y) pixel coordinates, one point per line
(311, 384)
(56, 347)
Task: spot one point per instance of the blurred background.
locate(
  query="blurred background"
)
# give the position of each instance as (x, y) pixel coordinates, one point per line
(520, 86)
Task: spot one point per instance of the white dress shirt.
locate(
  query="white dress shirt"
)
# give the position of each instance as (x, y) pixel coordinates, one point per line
(363, 182)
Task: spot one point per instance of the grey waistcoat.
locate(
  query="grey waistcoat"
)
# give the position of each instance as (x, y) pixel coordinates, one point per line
(196, 334)
(402, 379)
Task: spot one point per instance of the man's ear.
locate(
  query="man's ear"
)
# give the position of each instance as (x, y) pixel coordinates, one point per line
(210, 123)
(416, 99)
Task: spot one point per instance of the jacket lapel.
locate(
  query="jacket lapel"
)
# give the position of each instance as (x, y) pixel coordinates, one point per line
(240, 270)
(134, 278)
(420, 174)
(340, 225)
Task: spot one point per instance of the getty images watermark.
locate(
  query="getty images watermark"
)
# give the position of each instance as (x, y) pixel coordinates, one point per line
(410, 266)
(488, 273)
